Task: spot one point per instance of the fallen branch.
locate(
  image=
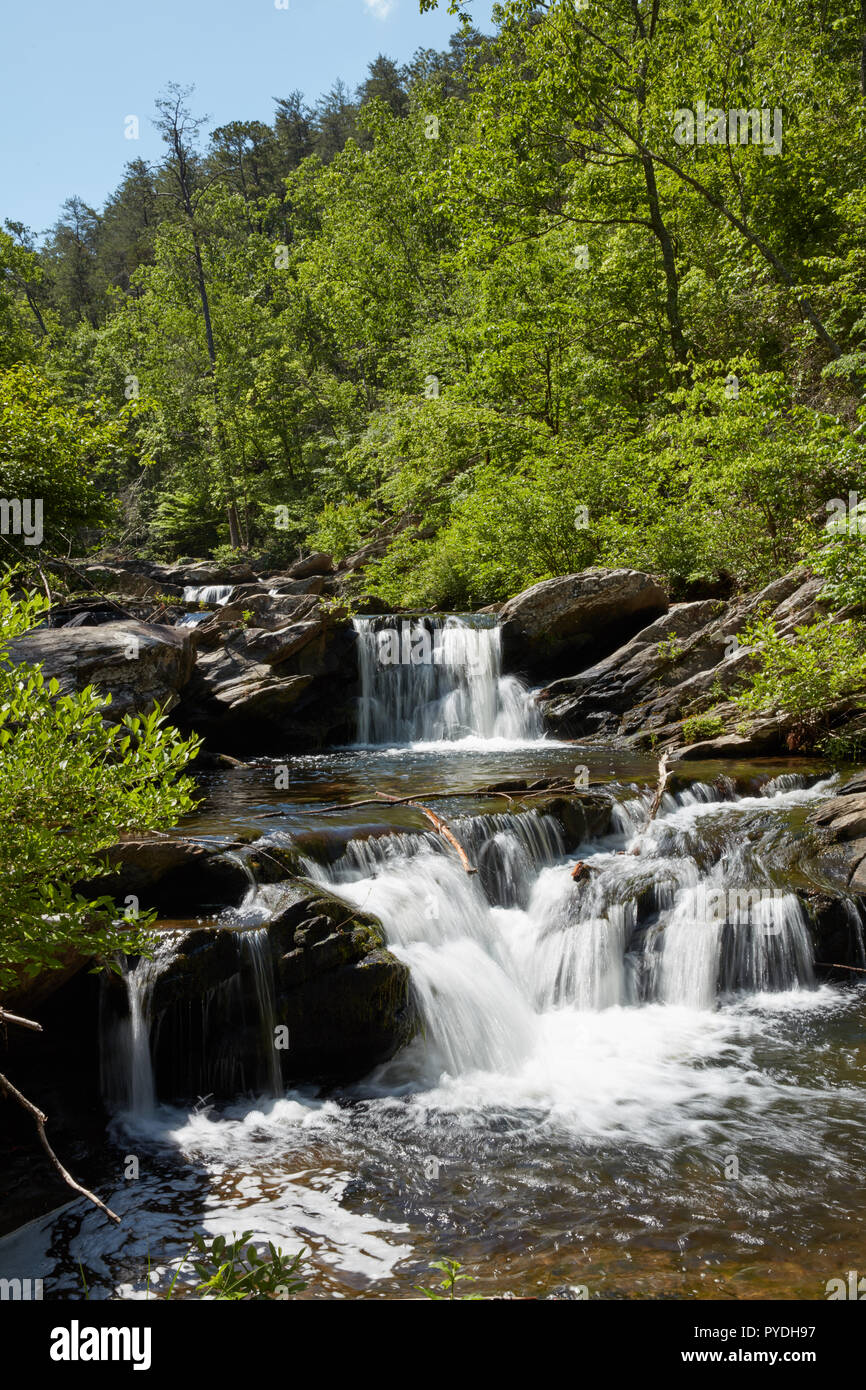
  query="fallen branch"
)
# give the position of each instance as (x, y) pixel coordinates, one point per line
(6, 1017)
(41, 1121)
(480, 794)
(438, 823)
(662, 783)
(835, 965)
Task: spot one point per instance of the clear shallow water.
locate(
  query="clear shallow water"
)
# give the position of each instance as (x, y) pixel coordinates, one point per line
(563, 1120)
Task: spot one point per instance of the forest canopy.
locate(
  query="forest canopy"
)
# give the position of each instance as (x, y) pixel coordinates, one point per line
(587, 290)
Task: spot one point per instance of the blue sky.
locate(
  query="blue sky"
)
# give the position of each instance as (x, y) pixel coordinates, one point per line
(73, 70)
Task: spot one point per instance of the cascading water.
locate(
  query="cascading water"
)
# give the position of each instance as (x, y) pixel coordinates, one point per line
(213, 594)
(663, 918)
(438, 680)
(127, 1065)
(256, 948)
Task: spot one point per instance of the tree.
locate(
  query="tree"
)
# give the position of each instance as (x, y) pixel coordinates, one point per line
(56, 452)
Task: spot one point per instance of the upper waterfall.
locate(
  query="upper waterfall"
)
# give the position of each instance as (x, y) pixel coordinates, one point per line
(436, 679)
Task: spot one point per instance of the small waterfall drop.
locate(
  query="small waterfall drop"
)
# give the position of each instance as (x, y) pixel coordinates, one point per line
(438, 680)
(127, 1062)
(257, 949)
(213, 594)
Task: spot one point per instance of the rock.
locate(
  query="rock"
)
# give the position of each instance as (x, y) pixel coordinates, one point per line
(116, 579)
(268, 613)
(139, 664)
(592, 700)
(764, 736)
(837, 933)
(282, 686)
(173, 875)
(313, 585)
(342, 996)
(686, 662)
(845, 816)
(207, 574)
(578, 615)
(319, 563)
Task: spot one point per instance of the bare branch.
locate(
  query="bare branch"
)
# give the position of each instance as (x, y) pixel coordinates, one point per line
(41, 1121)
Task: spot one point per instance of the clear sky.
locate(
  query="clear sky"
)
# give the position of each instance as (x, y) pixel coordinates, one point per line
(73, 70)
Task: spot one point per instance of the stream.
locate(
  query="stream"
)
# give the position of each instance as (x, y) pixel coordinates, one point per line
(655, 1105)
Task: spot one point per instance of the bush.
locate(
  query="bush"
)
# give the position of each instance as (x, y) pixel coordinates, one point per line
(71, 785)
(807, 677)
(700, 726)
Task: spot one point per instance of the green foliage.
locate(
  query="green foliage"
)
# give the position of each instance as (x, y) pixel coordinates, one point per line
(808, 676)
(700, 726)
(230, 1271)
(57, 451)
(485, 292)
(451, 1271)
(342, 528)
(839, 557)
(71, 785)
(671, 649)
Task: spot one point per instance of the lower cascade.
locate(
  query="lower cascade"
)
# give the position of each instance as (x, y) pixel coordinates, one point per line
(654, 922)
(675, 911)
(438, 680)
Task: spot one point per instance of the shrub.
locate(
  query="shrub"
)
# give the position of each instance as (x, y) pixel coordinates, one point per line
(807, 677)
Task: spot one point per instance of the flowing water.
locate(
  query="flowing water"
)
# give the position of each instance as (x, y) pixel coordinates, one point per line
(629, 1082)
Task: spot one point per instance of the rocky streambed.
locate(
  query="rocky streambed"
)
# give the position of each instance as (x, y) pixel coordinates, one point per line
(432, 993)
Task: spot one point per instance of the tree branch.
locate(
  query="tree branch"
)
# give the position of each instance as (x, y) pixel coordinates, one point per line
(41, 1121)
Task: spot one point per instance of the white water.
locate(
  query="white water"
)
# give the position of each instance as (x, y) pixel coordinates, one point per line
(496, 958)
(127, 1066)
(256, 947)
(213, 594)
(440, 681)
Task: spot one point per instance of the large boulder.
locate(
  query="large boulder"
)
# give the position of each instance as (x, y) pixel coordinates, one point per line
(172, 875)
(688, 662)
(319, 563)
(840, 830)
(343, 998)
(277, 687)
(139, 664)
(577, 618)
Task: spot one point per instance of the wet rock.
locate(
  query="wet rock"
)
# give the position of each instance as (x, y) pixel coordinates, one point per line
(342, 996)
(836, 926)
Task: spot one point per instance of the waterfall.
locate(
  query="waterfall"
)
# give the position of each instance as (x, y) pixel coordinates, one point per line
(126, 1059)
(257, 948)
(213, 594)
(676, 912)
(438, 680)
